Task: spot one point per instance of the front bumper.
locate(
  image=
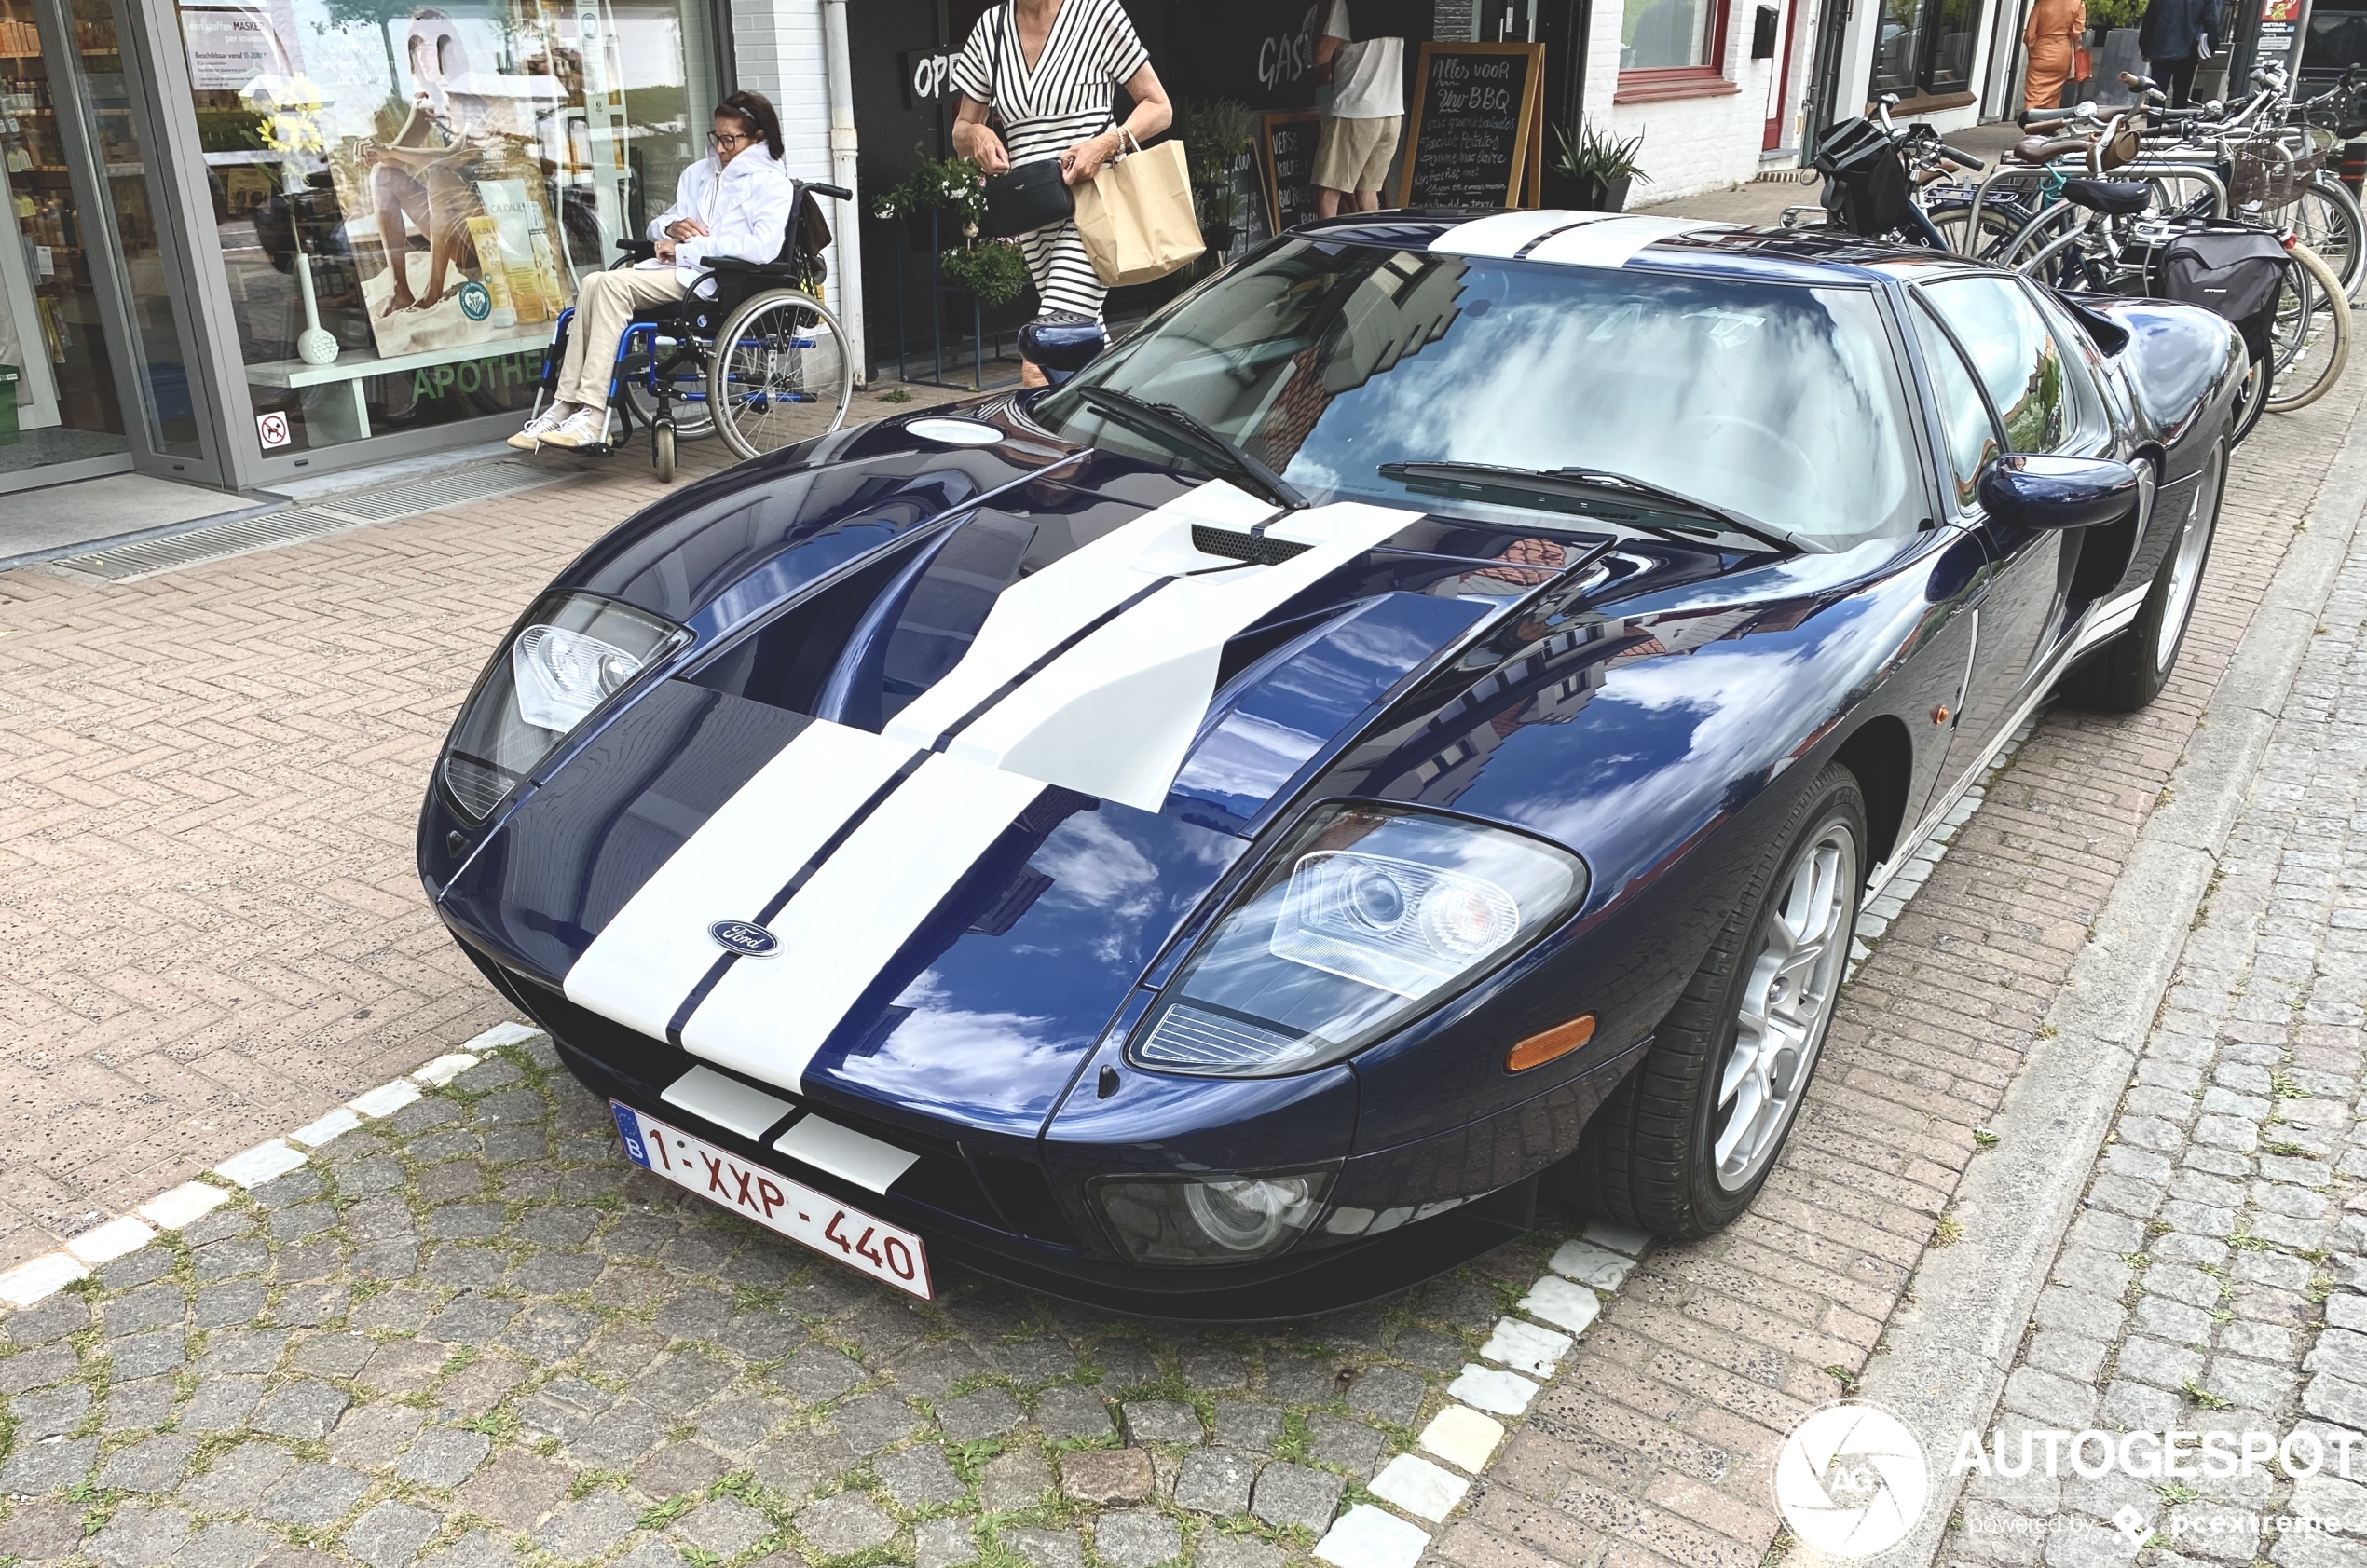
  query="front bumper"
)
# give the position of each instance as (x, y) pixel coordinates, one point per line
(993, 1211)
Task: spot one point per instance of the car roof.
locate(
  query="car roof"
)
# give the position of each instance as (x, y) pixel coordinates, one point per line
(1618, 239)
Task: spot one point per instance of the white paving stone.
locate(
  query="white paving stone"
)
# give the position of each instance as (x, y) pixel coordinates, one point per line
(1420, 1487)
(1370, 1537)
(1503, 1393)
(1557, 1300)
(446, 1067)
(111, 1240)
(500, 1035)
(1525, 1347)
(46, 1275)
(191, 1200)
(344, 1119)
(1462, 1437)
(261, 1163)
(1619, 1238)
(1589, 1264)
(386, 1098)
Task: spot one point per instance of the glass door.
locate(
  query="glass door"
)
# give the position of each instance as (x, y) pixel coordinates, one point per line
(93, 369)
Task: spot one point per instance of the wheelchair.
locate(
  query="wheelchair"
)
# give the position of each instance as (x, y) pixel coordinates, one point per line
(764, 363)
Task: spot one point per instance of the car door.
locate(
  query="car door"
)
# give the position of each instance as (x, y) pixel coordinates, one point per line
(2005, 385)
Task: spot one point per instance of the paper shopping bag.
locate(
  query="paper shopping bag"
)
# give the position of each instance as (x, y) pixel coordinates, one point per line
(1136, 216)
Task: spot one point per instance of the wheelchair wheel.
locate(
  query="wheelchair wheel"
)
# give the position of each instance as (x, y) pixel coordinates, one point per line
(781, 373)
(694, 418)
(662, 450)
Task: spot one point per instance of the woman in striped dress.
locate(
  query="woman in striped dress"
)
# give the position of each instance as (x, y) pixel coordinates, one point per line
(1049, 68)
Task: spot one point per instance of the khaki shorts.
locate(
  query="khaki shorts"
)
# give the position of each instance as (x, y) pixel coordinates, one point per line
(1354, 154)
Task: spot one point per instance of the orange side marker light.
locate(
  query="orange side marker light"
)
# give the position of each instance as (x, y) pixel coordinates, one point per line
(1559, 1041)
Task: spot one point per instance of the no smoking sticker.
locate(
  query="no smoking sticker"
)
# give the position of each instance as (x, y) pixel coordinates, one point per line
(273, 428)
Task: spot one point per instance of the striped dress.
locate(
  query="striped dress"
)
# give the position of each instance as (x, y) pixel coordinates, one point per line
(1091, 52)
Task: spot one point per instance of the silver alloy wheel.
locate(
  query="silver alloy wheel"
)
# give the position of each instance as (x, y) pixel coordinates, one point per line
(2186, 569)
(1786, 1007)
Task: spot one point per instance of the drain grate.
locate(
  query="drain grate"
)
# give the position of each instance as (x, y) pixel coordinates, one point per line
(128, 563)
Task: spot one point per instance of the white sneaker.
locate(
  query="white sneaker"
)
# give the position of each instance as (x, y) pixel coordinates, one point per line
(542, 424)
(585, 426)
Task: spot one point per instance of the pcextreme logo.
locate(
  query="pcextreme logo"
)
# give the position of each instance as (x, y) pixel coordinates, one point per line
(1851, 1479)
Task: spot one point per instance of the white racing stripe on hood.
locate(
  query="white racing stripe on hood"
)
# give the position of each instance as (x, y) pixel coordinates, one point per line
(1506, 235)
(768, 1016)
(1116, 714)
(648, 958)
(1036, 614)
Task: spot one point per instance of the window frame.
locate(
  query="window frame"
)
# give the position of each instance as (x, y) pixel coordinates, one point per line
(1645, 85)
(1920, 82)
(1940, 446)
(2080, 408)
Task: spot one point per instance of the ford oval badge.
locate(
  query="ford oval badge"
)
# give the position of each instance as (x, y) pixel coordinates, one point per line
(743, 937)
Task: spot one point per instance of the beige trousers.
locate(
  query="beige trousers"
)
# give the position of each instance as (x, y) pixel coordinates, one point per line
(604, 304)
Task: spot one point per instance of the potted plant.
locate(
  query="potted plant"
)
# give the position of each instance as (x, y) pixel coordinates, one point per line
(1594, 173)
(995, 272)
(2113, 25)
(1219, 215)
(953, 187)
(1215, 133)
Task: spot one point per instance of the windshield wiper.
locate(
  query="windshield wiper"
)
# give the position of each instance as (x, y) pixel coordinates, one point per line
(1164, 421)
(1594, 485)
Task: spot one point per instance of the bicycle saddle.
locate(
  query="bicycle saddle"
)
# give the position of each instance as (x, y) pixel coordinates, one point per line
(2119, 197)
(2046, 149)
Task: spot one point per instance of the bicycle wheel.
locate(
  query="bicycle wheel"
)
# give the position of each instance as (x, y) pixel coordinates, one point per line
(693, 416)
(2000, 222)
(781, 373)
(2326, 218)
(2310, 341)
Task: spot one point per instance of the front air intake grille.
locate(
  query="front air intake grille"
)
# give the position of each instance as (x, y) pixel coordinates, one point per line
(1254, 548)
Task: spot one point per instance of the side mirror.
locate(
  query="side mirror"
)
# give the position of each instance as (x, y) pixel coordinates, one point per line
(2027, 491)
(1061, 348)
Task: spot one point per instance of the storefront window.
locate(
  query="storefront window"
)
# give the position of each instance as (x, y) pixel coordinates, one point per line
(1665, 35)
(406, 194)
(1926, 46)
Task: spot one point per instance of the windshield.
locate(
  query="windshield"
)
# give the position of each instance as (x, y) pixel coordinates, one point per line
(1777, 401)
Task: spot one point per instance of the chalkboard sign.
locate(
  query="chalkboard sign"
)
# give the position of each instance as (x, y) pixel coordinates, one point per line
(1477, 115)
(1286, 163)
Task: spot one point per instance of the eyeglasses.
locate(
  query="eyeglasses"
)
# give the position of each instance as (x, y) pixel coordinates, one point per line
(718, 139)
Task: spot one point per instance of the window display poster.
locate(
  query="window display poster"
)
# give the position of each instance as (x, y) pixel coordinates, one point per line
(228, 49)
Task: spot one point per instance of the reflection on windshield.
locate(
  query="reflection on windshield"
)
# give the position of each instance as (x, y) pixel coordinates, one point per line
(1777, 401)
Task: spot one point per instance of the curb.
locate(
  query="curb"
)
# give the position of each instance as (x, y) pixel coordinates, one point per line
(1942, 1363)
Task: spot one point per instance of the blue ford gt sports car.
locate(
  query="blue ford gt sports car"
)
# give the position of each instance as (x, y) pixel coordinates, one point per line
(1412, 722)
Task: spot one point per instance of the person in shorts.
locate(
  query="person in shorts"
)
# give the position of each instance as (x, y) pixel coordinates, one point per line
(1366, 75)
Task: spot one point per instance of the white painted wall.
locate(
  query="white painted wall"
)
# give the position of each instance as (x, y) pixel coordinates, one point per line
(776, 45)
(1690, 144)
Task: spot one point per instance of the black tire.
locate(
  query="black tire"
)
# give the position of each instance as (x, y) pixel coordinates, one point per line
(2129, 672)
(662, 450)
(1648, 1159)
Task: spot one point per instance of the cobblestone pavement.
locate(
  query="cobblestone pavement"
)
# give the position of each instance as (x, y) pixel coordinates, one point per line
(2211, 1283)
(207, 783)
(471, 1335)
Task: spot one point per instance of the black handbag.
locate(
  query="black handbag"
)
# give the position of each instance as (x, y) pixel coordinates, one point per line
(1029, 198)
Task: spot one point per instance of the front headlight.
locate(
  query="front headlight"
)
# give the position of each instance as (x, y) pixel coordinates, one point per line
(1366, 919)
(1369, 916)
(1212, 1218)
(573, 654)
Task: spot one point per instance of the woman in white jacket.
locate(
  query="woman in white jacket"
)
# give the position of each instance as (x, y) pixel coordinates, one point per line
(734, 202)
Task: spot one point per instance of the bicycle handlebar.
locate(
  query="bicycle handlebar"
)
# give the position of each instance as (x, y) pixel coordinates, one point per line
(1965, 161)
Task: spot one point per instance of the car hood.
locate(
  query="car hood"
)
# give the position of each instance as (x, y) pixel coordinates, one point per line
(917, 836)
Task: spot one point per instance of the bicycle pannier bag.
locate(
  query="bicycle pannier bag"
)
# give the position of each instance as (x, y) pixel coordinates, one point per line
(2234, 272)
(1858, 161)
(1136, 218)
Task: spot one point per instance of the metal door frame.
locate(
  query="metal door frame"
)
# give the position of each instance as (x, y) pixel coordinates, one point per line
(87, 171)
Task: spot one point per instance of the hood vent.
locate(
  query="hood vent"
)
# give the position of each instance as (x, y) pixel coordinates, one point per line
(1254, 548)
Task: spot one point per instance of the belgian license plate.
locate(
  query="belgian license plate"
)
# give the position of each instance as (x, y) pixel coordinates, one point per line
(854, 1238)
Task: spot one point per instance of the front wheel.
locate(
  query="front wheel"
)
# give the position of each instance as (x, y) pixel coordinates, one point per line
(782, 371)
(2130, 671)
(1681, 1147)
(662, 450)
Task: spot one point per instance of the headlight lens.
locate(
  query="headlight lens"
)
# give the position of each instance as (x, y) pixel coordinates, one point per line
(1212, 1219)
(574, 653)
(1367, 917)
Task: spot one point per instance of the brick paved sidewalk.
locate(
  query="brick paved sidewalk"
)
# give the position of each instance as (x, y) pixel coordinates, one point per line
(2211, 1284)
